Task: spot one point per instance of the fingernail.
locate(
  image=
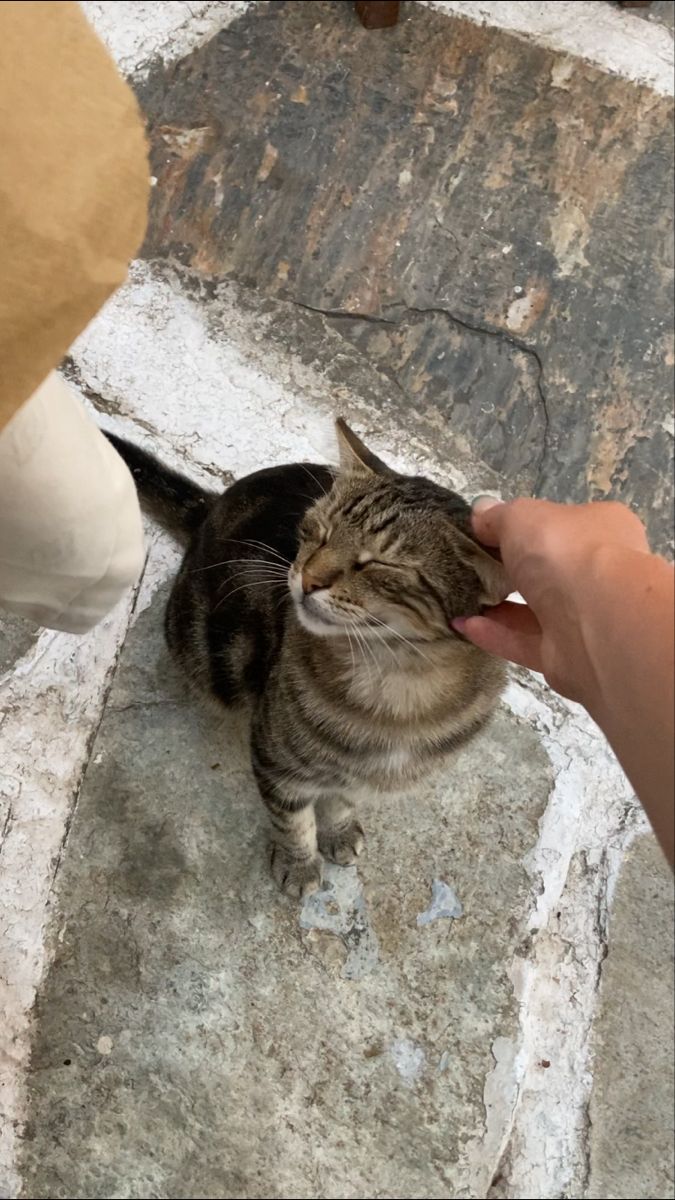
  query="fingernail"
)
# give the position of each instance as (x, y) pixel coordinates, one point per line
(482, 503)
(458, 624)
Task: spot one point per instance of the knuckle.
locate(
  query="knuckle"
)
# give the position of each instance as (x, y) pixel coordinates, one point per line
(522, 508)
(621, 516)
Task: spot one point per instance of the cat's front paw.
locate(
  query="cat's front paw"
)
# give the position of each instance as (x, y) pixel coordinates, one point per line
(297, 877)
(343, 844)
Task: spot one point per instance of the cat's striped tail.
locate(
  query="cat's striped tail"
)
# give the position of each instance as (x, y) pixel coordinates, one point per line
(177, 502)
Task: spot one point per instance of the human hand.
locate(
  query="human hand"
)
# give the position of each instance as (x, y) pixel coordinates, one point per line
(562, 559)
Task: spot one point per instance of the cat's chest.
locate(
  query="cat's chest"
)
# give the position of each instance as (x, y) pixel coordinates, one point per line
(394, 693)
(411, 717)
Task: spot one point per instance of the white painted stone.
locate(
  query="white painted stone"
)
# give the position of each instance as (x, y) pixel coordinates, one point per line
(206, 391)
(136, 31)
(615, 40)
(586, 828)
(50, 707)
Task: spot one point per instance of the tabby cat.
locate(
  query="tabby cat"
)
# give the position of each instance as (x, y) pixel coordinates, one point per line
(325, 598)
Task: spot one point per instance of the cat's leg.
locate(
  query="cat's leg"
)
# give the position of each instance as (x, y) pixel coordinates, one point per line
(294, 857)
(340, 835)
(294, 854)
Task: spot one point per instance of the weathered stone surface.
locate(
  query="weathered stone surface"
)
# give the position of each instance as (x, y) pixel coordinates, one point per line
(194, 1037)
(631, 1130)
(504, 213)
(660, 11)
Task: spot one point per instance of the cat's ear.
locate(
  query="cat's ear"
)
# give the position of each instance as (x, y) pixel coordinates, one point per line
(489, 570)
(355, 458)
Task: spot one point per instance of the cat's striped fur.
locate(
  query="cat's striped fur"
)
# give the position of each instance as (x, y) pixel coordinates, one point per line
(325, 598)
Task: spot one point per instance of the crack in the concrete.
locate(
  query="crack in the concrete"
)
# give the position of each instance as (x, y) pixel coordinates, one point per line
(146, 704)
(600, 924)
(86, 758)
(104, 404)
(6, 826)
(524, 348)
(339, 314)
(72, 372)
(344, 314)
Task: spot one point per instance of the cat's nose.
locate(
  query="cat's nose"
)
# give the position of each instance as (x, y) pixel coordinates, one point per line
(320, 571)
(310, 583)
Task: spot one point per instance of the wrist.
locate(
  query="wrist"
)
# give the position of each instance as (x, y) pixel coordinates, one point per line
(624, 608)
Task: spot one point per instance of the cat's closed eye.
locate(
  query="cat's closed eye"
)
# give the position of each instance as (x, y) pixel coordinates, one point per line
(311, 532)
(377, 562)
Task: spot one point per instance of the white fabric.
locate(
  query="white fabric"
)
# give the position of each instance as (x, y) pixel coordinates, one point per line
(71, 536)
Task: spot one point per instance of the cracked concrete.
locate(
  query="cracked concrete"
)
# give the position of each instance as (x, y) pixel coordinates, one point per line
(633, 1078)
(170, 932)
(475, 176)
(171, 1028)
(502, 335)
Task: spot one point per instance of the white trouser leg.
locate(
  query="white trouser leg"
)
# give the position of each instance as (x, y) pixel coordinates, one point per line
(71, 536)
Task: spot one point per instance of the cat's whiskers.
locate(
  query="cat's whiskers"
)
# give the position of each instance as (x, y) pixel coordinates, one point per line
(385, 643)
(262, 545)
(270, 583)
(400, 636)
(254, 572)
(357, 627)
(279, 603)
(363, 621)
(364, 659)
(351, 650)
(368, 655)
(226, 562)
(323, 490)
(304, 496)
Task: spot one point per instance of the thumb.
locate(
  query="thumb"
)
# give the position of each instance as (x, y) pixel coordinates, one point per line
(509, 630)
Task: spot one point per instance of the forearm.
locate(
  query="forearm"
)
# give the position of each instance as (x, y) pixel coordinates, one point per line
(628, 631)
(598, 622)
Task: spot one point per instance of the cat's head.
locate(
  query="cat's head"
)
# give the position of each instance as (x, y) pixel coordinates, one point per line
(389, 554)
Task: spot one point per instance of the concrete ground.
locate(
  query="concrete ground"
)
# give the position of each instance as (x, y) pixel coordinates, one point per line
(458, 234)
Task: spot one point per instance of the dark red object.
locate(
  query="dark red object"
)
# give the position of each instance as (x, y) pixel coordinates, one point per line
(378, 14)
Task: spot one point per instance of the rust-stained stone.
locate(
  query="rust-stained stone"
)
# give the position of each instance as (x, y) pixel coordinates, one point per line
(488, 222)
